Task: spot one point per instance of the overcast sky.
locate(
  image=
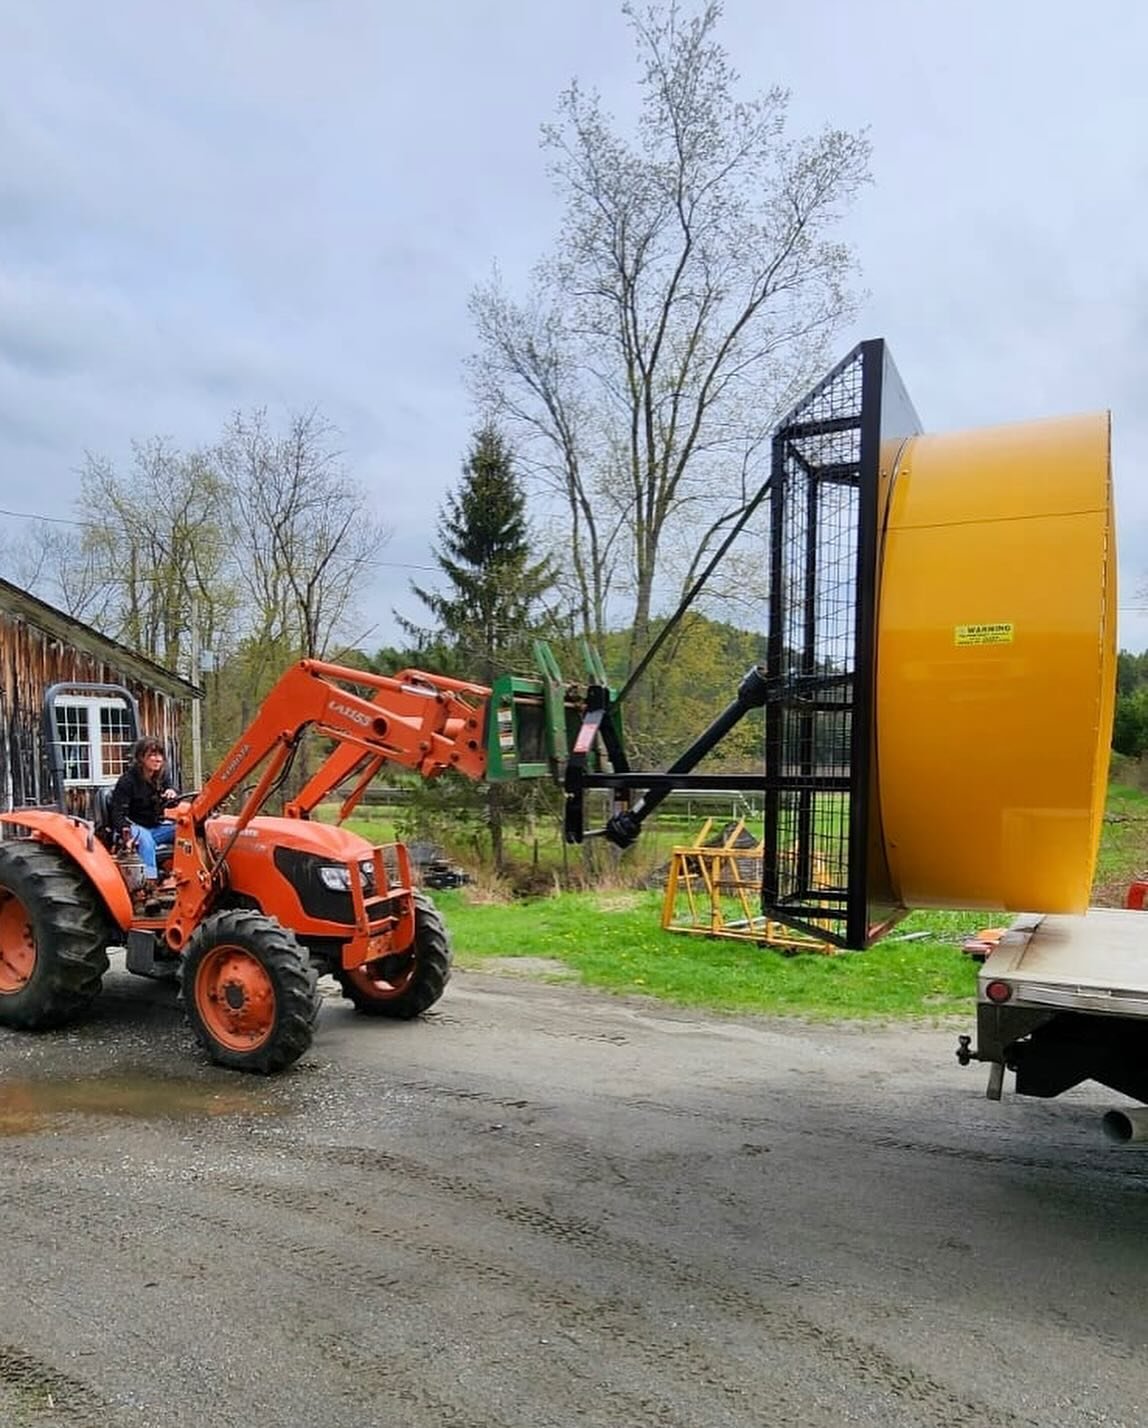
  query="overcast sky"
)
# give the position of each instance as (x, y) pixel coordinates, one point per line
(286, 202)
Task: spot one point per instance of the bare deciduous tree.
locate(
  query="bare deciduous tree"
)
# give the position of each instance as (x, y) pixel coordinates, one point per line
(255, 549)
(692, 292)
(526, 375)
(48, 558)
(155, 556)
(309, 536)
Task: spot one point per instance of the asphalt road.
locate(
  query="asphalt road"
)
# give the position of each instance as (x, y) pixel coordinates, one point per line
(544, 1207)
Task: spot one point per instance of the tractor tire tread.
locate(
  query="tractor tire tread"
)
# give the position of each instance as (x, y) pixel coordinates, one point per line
(66, 911)
(433, 960)
(290, 967)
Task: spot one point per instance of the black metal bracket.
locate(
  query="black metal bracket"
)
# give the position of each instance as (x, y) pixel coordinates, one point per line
(625, 823)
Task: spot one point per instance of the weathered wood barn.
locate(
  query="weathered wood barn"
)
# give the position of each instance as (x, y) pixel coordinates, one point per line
(86, 740)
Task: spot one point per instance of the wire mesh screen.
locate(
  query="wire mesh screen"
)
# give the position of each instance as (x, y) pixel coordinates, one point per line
(822, 576)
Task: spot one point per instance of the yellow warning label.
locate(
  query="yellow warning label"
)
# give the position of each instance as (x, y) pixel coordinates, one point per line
(1001, 634)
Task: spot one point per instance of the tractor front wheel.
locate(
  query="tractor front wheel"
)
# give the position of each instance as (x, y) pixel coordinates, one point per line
(249, 991)
(54, 935)
(404, 984)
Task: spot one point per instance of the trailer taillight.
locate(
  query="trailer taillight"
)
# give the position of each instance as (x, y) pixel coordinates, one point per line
(998, 992)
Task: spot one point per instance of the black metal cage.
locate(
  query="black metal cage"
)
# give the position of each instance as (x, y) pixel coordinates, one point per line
(824, 869)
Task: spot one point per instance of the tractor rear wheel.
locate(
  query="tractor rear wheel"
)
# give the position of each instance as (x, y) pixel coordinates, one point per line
(54, 936)
(249, 991)
(404, 984)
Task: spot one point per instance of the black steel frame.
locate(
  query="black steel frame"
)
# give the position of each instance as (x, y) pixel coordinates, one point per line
(52, 741)
(824, 868)
(819, 784)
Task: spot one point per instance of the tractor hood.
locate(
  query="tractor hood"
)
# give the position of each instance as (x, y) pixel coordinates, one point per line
(266, 834)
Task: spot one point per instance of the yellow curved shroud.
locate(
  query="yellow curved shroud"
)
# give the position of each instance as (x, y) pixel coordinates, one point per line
(996, 664)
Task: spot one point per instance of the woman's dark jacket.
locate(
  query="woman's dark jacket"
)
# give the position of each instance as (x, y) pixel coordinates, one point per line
(136, 799)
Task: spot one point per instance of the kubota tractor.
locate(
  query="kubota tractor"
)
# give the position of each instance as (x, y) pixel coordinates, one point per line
(258, 906)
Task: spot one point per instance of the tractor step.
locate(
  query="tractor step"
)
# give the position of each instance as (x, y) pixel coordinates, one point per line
(149, 956)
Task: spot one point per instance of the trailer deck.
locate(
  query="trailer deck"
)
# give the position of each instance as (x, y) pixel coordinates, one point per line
(1095, 961)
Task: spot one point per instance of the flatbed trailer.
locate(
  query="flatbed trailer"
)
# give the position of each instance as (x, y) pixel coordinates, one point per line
(1063, 999)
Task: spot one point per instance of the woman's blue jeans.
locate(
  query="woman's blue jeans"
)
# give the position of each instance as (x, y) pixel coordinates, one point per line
(148, 840)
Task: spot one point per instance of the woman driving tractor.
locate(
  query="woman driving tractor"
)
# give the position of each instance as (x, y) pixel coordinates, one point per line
(138, 803)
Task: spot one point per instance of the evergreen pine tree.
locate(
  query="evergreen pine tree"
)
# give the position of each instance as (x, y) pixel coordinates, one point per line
(492, 601)
(495, 589)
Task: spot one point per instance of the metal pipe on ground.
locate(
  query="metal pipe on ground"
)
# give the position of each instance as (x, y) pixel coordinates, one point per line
(1126, 1124)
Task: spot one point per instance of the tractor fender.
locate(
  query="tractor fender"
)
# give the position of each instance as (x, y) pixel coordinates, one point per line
(75, 837)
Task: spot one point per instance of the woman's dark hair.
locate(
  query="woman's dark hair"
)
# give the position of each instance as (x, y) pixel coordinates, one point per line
(145, 746)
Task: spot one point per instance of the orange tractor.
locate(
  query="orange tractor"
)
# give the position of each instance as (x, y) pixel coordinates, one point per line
(258, 906)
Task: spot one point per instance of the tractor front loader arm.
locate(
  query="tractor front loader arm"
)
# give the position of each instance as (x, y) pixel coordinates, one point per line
(523, 720)
(424, 722)
(414, 720)
(454, 707)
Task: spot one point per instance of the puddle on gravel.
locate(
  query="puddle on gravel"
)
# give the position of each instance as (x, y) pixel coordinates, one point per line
(30, 1106)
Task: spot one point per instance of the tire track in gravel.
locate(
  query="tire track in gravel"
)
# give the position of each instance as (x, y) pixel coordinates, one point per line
(574, 1402)
(155, 1260)
(855, 1134)
(595, 1317)
(862, 1361)
(1119, 1177)
(607, 1320)
(603, 1274)
(150, 1255)
(38, 1392)
(324, 1266)
(438, 1092)
(361, 1369)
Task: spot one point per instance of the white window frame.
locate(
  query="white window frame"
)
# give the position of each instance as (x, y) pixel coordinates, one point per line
(93, 704)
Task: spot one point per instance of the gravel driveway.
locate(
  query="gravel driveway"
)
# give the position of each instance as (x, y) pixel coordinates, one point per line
(542, 1206)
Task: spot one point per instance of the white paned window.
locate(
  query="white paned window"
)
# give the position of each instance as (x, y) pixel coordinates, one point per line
(96, 738)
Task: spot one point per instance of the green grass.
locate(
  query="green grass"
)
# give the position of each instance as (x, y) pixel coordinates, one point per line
(1123, 843)
(379, 827)
(614, 941)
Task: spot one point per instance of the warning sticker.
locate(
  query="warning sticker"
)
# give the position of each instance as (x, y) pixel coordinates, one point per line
(1001, 634)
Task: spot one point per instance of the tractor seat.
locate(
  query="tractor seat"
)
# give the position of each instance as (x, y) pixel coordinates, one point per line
(102, 813)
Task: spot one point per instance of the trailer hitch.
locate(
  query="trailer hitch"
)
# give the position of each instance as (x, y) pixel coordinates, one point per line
(966, 1053)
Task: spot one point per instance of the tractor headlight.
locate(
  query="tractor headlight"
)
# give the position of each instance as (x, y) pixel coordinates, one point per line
(337, 876)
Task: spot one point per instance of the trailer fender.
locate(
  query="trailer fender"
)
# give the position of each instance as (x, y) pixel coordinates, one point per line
(76, 838)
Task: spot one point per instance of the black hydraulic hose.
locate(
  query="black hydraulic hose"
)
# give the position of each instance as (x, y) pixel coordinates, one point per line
(688, 598)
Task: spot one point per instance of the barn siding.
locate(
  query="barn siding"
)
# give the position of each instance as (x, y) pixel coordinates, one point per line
(32, 659)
